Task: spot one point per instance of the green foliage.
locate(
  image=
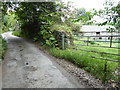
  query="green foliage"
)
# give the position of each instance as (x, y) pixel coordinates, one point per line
(84, 16)
(36, 18)
(3, 47)
(17, 33)
(75, 26)
(8, 20)
(111, 29)
(63, 28)
(111, 14)
(68, 27)
(94, 66)
(8, 23)
(85, 61)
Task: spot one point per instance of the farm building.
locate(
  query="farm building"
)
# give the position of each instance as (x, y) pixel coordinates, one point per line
(94, 30)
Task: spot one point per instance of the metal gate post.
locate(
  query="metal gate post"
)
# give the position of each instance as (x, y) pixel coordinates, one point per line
(111, 41)
(63, 41)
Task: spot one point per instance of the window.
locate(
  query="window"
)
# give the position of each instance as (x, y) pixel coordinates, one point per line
(100, 37)
(98, 33)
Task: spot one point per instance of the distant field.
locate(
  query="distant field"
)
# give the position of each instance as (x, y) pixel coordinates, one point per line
(97, 42)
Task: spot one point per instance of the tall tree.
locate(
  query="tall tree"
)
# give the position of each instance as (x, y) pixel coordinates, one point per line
(112, 15)
(84, 16)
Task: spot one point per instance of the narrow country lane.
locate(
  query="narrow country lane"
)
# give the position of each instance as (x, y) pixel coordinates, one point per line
(25, 66)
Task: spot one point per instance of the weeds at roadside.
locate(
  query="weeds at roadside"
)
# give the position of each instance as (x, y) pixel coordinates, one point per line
(3, 47)
(94, 66)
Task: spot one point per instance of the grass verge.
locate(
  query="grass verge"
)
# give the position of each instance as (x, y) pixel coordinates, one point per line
(17, 33)
(3, 47)
(94, 66)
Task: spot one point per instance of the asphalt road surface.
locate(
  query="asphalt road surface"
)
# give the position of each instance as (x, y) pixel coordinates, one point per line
(25, 66)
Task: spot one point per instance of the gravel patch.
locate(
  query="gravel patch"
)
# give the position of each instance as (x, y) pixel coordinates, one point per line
(81, 75)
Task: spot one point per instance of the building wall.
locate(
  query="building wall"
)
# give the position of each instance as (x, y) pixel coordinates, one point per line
(100, 34)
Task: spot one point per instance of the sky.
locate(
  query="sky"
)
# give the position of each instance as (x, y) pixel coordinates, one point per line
(88, 4)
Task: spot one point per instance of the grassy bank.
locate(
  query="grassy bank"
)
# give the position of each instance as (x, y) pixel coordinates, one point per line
(17, 33)
(3, 47)
(94, 66)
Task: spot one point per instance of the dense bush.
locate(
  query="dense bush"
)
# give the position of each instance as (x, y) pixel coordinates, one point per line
(37, 18)
(8, 23)
(63, 28)
(75, 27)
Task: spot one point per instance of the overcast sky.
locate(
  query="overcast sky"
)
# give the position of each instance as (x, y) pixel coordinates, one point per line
(88, 4)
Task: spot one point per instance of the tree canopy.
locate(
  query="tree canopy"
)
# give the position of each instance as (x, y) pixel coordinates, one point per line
(36, 18)
(111, 14)
(83, 16)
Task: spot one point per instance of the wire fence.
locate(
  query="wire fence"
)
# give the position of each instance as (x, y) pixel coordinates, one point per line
(108, 41)
(88, 41)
